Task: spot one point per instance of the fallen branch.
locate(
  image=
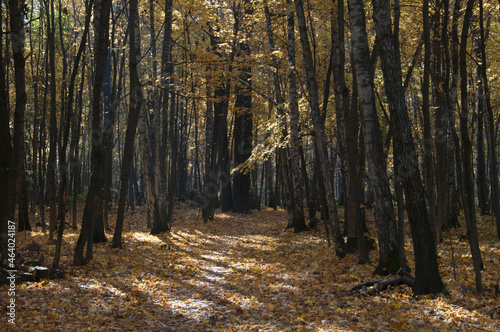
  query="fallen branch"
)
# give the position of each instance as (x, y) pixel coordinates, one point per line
(374, 287)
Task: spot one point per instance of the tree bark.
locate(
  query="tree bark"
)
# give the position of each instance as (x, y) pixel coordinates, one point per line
(64, 168)
(427, 278)
(319, 130)
(377, 166)
(95, 189)
(468, 190)
(52, 162)
(490, 124)
(135, 106)
(6, 154)
(243, 124)
(297, 203)
(480, 114)
(428, 144)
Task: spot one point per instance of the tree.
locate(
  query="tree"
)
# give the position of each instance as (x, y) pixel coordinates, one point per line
(94, 198)
(384, 211)
(243, 123)
(64, 168)
(297, 197)
(136, 106)
(428, 144)
(16, 10)
(492, 155)
(427, 278)
(466, 149)
(348, 126)
(319, 130)
(5, 150)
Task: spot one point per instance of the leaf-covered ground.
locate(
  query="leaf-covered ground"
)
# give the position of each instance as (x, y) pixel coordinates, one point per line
(244, 273)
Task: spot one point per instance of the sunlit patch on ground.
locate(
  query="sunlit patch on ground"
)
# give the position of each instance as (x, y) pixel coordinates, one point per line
(244, 273)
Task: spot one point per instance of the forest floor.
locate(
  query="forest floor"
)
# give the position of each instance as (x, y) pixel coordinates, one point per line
(244, 273)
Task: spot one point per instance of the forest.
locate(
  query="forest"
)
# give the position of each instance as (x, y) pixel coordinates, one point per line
(249, 165)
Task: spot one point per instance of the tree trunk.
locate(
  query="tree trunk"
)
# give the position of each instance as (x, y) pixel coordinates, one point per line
(384, 211)
(174, 165)
(348, 127)
(490, 124)
(22, 202)
(428, 144)
(135, 106)
(319, 130)
(91, 212)
(427, 278)
(297, 197)
(482, 195)
(455, 161)
(52, 162)
(243, 126)
(6, 155)
(441, 90)
(64, 168)
(468, 190)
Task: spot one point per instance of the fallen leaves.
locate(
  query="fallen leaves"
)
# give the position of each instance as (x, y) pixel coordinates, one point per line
(243, 273)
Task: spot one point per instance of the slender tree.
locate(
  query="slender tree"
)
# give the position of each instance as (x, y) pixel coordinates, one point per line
(64, 168)
(466, 149)
(375, 156)
(297, 205)
(243, 123)
(91, 211)
(319, 130)
(427, 278)
(5, 148)
(135, 106)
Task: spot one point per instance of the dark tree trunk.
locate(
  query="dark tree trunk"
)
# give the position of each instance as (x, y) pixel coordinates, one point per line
(455, 162)
(91, 211)
(441, 91)
(135, 106)
(319, 130)
(468, 189)
(427, 278)
(428, 144)
(490, 124)
(157, 196)
(348, 127)
(243, 126)
(377, 170)
(482, 189)
(64, 168)
(174, 167)
(6, 155)
(109, 121)
(22, 198)
(52, 162)
(216, 140)
(297, 197)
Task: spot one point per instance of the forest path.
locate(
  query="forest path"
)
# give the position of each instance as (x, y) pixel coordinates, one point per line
(240, 273)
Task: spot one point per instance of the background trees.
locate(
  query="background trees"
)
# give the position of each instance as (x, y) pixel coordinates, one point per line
(236, 110)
